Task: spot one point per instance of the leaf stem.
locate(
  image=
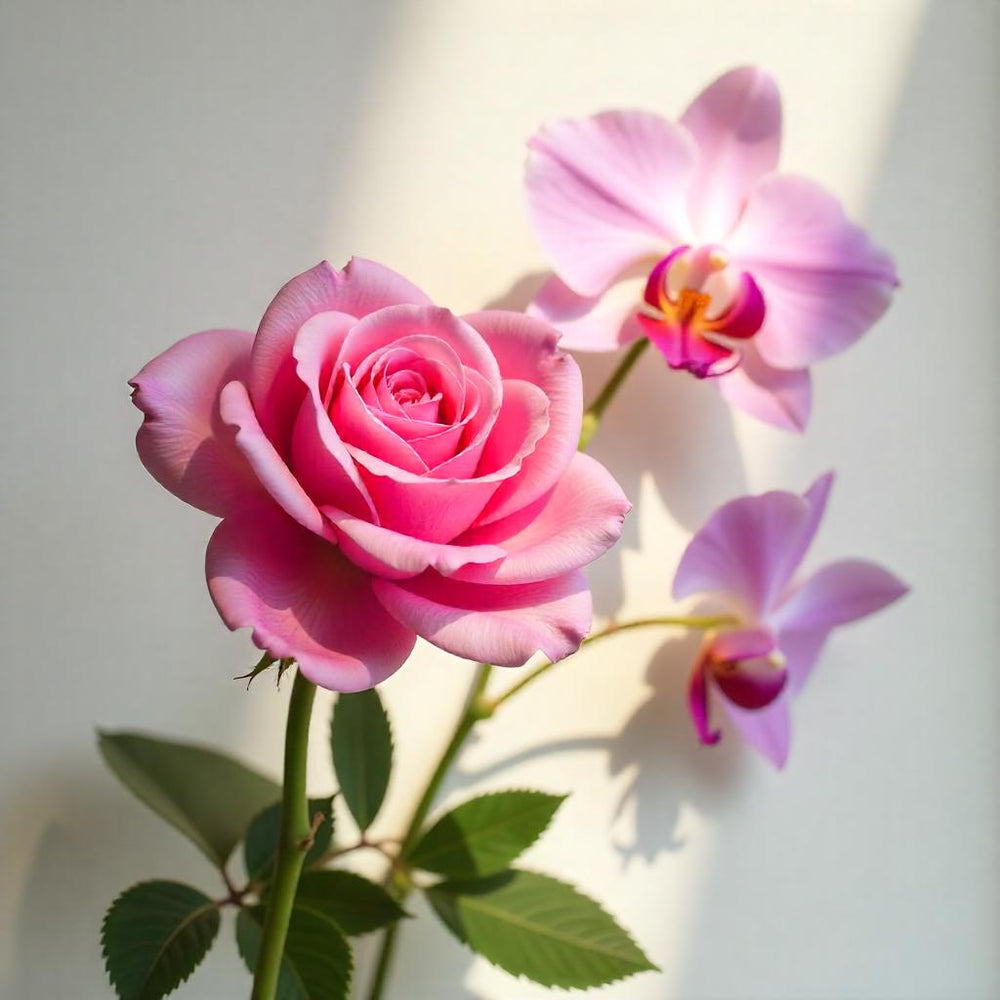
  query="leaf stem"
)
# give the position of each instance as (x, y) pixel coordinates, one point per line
(294, 837)
(592, 415)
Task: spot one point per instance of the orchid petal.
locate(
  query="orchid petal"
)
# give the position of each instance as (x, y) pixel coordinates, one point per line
(698, 705)
(839, 593)
(599, 323)
(606, 191)
(824, 281)
(744, 551)
(781, 397)
(736, 125)
(768, 730)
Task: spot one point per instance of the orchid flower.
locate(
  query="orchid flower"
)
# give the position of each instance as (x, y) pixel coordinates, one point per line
(747, 556)
(684, 233)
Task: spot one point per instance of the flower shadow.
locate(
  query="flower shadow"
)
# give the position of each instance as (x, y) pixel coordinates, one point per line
(670, 771)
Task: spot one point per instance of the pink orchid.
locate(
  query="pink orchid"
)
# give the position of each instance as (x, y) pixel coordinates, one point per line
(746, 555)
(384, 470)
(749, 275)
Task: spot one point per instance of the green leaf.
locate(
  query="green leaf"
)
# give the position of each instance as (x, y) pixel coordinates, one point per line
(355, 904)
(317, 964)
(206, 795)
(484, 835)
(153, 937)
(362, 753)
(261, 840)
(536, 926)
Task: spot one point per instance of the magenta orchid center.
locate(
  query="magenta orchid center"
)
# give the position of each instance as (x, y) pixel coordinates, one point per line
(696, 305)
(744, 667)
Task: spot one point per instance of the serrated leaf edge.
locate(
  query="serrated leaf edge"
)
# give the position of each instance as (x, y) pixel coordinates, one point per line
(649, 967)
(187, 920)
(486, 795)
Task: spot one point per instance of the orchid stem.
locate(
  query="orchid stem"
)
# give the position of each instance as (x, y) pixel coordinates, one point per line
(295, 834)
(700, 624)
(592, 415)
(477, 708)
(472, 713)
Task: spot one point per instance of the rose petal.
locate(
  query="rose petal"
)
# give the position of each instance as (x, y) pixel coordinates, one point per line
(303, 600)
(527, 349)
(437, 510)
(522, 422)
(358, 427)
(183, 442)
(835, 595)
(599, 323)
(386, 553)
(744, 552)
(736, 124)
(504, 625)
(781, 397)
(395, 326)
(824, 281)
(320, 460)
(276, 477)
(606, 191)
(566, 530)
(362, 287)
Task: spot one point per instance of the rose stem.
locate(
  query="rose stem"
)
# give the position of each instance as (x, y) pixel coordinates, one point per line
(295, 834)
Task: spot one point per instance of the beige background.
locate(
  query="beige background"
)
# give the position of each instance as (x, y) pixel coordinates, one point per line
(168, 165)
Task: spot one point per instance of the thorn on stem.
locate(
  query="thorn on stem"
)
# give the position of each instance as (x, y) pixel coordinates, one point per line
(306, 843)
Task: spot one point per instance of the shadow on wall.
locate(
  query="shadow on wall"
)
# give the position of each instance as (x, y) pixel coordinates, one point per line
(169, 157)
(658, 744)
(102, 837)
(664, 423)
(931, 191)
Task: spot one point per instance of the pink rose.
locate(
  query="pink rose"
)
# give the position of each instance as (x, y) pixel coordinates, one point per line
(384, 470)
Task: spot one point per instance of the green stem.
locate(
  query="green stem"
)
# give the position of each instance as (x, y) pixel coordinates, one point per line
(295, 834)
(475, 709)
(594, 412)
(701, 624)
(384, 961)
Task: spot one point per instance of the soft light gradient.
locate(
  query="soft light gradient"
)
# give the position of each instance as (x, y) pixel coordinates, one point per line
(168, 166)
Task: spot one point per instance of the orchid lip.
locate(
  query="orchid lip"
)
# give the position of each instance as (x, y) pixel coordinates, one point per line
(696, 307)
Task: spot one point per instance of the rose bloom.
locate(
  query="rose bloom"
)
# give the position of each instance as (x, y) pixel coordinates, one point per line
(384, 469)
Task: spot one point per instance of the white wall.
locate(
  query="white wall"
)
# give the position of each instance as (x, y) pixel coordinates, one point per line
(169, 165)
